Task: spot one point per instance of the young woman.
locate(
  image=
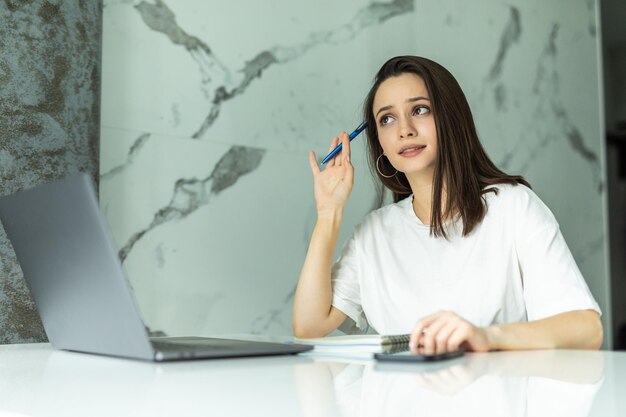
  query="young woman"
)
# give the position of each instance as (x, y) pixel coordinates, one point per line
(467, 256)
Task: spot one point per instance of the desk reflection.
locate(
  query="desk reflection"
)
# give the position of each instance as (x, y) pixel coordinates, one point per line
(66, 384)
(539, 383)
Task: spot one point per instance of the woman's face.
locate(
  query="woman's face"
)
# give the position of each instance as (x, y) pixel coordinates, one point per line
(406, 125)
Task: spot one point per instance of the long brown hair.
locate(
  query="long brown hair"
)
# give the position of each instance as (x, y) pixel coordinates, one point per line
(462, 166)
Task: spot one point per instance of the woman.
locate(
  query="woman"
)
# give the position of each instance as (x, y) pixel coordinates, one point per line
(467, 256)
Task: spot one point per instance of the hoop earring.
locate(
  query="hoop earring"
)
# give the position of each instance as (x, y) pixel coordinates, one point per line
(380, 172)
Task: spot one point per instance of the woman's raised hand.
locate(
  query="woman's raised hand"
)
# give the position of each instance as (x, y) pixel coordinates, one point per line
(333, 184)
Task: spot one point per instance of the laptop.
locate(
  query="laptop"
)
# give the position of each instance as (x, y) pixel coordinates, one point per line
(86, 304)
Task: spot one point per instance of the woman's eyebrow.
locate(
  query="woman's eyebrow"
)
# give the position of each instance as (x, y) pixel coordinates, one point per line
(408, 100)
(383, 109)
(412, 99)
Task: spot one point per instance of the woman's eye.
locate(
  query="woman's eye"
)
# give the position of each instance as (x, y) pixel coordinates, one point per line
(385, 120)
(420, 110)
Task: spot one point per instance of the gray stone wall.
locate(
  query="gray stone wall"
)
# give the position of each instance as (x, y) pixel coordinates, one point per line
(50, 53)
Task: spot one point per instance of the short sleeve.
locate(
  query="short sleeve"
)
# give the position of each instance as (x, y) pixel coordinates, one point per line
(551, 279)
(346, 287)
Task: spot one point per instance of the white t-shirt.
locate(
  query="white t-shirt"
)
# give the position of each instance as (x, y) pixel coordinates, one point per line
(514, 266)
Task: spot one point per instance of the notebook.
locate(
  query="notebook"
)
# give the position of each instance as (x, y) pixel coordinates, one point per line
(72, 267)
(357, 345)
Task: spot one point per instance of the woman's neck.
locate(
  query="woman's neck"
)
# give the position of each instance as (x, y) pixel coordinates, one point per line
(422, 189)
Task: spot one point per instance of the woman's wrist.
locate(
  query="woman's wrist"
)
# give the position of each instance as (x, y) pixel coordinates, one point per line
(493, 335)
(328, 224)
(333, 215)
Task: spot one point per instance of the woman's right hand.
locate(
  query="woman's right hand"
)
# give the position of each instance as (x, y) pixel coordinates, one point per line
(333, 184)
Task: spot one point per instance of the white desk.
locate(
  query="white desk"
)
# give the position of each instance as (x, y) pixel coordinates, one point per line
(36, 380)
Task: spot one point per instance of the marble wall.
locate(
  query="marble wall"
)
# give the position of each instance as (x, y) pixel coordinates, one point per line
(49, 120)
(209, 110)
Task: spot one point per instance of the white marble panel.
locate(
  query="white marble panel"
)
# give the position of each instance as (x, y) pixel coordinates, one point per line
(190, 87)
(223, 260)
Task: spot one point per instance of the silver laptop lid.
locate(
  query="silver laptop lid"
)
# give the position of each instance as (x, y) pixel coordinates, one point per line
(72, 268)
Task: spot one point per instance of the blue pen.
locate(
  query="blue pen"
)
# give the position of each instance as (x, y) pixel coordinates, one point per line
(353, 135)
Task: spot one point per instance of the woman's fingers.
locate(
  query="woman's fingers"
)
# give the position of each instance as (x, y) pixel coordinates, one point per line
(443, 336)
(339, 157)
(346, 159)
(431, 335)
(443, 332)
(416, 338)
(345, 148)
(313, 162)
(333, 145)
(343, 155)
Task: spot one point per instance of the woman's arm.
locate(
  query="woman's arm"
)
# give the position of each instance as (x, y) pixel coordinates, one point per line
(313, 313)
(445, 331)
(581, 329)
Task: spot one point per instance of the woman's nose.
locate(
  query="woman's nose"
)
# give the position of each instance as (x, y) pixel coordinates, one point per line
(407, 130)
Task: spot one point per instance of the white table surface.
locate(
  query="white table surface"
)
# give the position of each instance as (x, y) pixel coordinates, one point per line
(36, 380)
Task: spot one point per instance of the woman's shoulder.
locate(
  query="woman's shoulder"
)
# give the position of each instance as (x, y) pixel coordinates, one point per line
(519, 201)
(390, 210)
(509, 193)
(514, 193)
(383, 216)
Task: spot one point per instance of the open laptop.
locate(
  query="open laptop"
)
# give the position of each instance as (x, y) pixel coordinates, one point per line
(74, 273)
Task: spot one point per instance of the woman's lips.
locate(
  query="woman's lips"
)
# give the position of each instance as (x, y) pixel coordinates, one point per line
(410, 151)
